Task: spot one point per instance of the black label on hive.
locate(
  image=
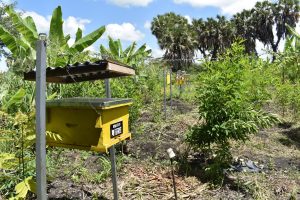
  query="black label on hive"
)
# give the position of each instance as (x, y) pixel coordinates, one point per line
(116, 129)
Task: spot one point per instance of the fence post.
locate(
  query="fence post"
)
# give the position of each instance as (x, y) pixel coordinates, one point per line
(171, 88)
(165, 100)
(41, 59)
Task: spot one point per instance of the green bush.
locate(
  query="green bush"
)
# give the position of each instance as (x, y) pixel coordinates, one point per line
(226, 106)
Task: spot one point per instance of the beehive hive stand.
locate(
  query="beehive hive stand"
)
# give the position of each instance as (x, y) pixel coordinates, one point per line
(85, 123)
(82, 123)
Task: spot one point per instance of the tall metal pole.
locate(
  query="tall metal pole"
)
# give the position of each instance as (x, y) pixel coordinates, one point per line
(40, 119)
(112, 151)
(165, 100)
(171, 88)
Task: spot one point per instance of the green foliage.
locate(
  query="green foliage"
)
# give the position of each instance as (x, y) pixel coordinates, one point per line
(174, 35)
(8, 161)
(87, 40)
(130, 56)
(16, 99)
(59, 52)
(23, 188)
(287, 68)
(56, 34)
(129, 87)
(213, 35)
(225, 108)
(267, 22)
(17, 138)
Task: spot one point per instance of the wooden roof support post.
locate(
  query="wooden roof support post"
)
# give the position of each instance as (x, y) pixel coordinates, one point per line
(40, 119)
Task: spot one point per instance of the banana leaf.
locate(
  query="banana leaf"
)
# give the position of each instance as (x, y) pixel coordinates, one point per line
(16, 99)
(88, 40)
(78, 34)
(25, 27)
(56, 34)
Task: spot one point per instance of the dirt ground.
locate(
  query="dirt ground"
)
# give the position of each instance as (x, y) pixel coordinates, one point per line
(144, 171)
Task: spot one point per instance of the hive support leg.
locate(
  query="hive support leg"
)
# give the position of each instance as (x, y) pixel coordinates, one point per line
(114, 171)
(112, 151)
(40, 119)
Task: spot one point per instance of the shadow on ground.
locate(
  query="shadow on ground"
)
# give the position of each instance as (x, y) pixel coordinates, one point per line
(293, 137)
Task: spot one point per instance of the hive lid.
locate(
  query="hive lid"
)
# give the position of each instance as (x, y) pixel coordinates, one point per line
(86, 71)
(87, 102)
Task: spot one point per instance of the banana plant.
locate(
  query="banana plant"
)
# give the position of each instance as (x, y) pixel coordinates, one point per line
(130, 55)
(22, 46)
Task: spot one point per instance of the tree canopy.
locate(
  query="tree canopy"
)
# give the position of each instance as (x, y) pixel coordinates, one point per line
(266, 22)
(175, 36)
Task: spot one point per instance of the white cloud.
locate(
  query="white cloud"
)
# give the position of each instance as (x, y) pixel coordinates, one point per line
(71, 41)
(226, 6)
(261, 49)
(91, 48)
(298, 27)
(71, 24)
(125, 31)
(189, 19)
(42, 23)
(3, 65)
(157, 53)
(147, 25)
(6, 1)
(128, 3)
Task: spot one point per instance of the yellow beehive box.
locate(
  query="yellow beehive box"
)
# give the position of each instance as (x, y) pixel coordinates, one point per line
(88, 123)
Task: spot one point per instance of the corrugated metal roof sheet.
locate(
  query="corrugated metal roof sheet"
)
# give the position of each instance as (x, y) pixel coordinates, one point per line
(86, 71)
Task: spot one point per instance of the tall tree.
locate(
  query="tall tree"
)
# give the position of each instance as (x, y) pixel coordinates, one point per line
(271, 19)
(213, 35)
(245, 29)
(200, 29)
(175, 36)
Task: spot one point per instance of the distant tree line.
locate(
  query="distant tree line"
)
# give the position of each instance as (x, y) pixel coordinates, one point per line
(266, 22)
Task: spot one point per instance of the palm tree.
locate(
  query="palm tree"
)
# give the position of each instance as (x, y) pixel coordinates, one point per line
(174, 35)
(268, 17)
(213, 35)
(199, 27)
(245, 30)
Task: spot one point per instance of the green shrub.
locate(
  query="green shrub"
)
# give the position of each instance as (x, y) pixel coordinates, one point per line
(226, 107)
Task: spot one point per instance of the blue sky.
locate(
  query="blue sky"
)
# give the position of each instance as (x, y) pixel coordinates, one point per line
(128, 20)
(95, 13)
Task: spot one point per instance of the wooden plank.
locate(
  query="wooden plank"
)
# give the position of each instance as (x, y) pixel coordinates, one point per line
(120, 69)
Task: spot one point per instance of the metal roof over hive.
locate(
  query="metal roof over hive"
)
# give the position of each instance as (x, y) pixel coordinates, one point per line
(86, 71)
